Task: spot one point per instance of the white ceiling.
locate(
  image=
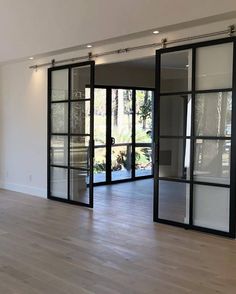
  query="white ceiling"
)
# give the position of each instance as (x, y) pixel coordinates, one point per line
(34, 27)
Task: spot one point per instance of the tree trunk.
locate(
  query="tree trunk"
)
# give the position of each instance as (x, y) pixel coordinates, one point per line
(116, 107)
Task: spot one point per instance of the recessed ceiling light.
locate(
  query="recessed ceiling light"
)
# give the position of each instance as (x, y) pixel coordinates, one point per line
(155, 32)
(89, 46)
(31, 58)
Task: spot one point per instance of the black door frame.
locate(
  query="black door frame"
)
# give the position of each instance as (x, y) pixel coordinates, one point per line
(50, 133)
(108, 146)
(192, 137)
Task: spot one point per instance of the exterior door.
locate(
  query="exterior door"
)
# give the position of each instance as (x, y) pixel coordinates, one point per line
(123, 134)
(70, 133)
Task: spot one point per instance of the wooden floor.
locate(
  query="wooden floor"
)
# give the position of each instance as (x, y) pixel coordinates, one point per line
(49, 247)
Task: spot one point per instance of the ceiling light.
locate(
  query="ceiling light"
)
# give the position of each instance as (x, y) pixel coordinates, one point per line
(89, 46)
(31, 58)
(155, 32)
(187, 65)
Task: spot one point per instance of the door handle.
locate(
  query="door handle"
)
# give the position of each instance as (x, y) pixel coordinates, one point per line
(113, 141)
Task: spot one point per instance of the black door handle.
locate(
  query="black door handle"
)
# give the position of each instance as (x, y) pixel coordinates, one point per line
(113, 141)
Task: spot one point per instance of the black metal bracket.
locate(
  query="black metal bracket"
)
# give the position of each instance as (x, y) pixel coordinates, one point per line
(231, 30)
(164, 43)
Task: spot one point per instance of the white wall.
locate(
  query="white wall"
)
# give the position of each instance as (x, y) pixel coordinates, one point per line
(23, 129)
(23, 113)
(121, 74)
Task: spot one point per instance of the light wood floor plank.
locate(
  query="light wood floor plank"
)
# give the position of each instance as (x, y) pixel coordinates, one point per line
(50, 247)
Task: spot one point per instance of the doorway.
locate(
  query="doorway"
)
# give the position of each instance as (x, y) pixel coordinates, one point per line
(122, 133)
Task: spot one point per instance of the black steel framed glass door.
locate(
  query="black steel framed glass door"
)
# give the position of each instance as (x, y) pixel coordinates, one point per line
(70, 133)
(195, 134)
(123, 134)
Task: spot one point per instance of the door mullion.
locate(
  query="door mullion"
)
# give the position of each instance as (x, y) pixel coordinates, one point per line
(133, 132)
(69, 133)
(108, 134)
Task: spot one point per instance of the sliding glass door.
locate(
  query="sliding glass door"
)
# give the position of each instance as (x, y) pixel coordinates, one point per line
(70, 133)
(195, 137)
(123, 134)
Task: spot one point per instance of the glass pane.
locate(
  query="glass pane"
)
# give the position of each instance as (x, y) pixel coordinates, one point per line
(174, 158)
(174, 201)
(59, 118)
(80, 117)
(80, 79)
(122, 115)
(176, 71)
(175, 115)
(100, 116)
(212, 161)
(79, 186)
(211, 207)
(214, 65)
(143, 161)
(59, 177)
(121, 162)
(59, 85)
(213, 114)
(100, 165)
(143, 124)
(59, 150)
(79, 152)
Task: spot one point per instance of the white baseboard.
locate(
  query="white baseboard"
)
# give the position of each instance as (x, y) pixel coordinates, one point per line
(34, 191)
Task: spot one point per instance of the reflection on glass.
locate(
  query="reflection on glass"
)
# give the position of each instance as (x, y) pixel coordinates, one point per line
(80, 117)
(121, 162)
(174, 158)
(176, 71)
(79, 186)
(211, 207)
(59, 182)
(100, 116)
(59, 147)
(59, 118)
(175, 115)
(143, 161)
(143, 126)
(79, 152)
(213, 114)
(212, 161)
(214, 67)
(100, 165)
(59, 85)
(174, 201)
(122, 115)
(80, 79)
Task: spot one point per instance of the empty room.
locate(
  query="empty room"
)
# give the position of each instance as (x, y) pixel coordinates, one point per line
(117, 146)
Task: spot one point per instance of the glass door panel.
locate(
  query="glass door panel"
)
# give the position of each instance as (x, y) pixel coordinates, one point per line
(214, 67)
(121, 134)
(176, 71)
(173, 201)
(59, 85)
(71, 104)
(100, 138)
(143, 132)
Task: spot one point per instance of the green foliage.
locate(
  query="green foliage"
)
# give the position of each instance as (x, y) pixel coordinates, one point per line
(145, 110)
